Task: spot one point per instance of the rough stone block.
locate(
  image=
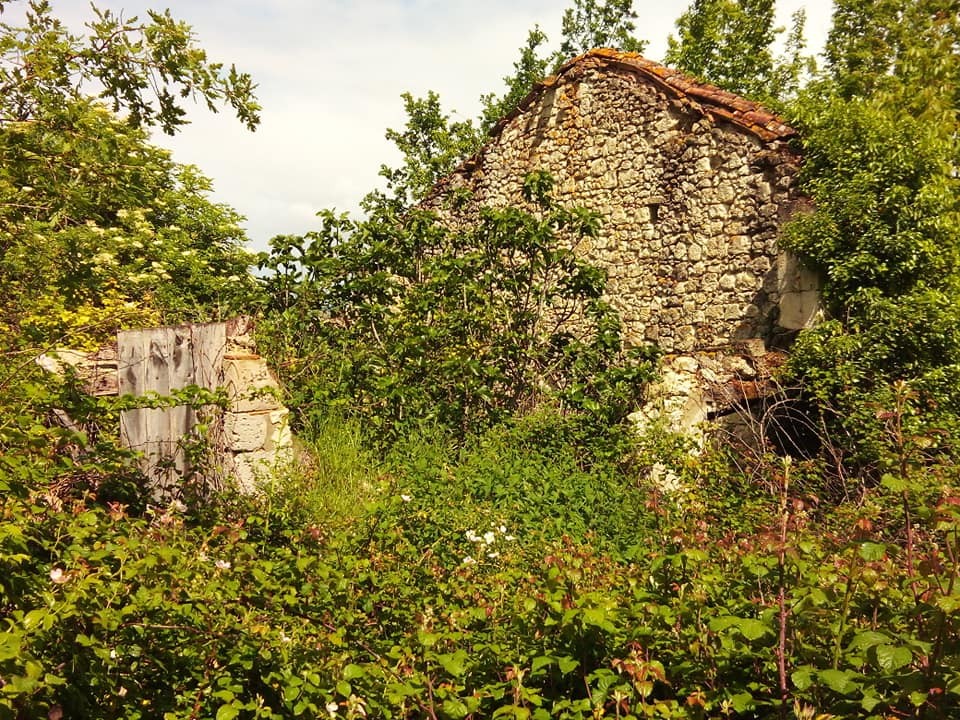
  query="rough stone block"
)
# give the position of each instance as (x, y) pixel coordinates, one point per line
(247, 431)
(250, 385)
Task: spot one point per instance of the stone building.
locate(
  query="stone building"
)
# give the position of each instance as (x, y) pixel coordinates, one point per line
(692, 185)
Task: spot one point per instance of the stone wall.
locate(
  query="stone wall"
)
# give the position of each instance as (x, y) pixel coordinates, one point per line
(692, 185)
(256, 425)
(249, 439)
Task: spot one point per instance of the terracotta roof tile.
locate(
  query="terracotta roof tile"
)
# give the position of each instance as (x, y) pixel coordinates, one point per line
(711, 100)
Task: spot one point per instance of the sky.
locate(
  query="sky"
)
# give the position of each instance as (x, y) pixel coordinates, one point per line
(330, 74)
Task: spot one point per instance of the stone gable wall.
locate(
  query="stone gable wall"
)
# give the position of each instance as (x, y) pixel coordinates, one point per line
(691, 204)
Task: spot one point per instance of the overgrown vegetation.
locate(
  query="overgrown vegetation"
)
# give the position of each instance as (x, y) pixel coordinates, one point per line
(474, 531)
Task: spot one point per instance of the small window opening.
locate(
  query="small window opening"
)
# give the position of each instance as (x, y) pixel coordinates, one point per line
(654, 209)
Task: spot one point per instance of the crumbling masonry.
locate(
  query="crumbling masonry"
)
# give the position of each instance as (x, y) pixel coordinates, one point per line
(692, 185)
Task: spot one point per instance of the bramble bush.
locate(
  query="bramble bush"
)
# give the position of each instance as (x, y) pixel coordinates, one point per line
(424, 607)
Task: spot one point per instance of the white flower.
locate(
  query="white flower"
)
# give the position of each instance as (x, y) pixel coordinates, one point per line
(406, 498)
(665, 480)
(509, 538)
(493, 555)
(472, 536)
(284, 638)
(222, 564)
(332, 708)
(122, 691)
(489, 537)
(58, 576)
(468, 561)
(113, 654)
(502, 529)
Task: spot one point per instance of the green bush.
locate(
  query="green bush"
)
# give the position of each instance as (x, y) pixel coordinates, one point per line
(412, 323)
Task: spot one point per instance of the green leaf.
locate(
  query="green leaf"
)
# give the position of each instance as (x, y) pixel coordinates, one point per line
(841, 681)
(894, 483)
(597, 617)
(540, 661)
(752, 629)
(9, 646)
(743, 702)
(454, 663)
(802, 677)
(227, 712)
(352, 672)
(454, 708)
(871, 551)
(867, 639)
(892, 657)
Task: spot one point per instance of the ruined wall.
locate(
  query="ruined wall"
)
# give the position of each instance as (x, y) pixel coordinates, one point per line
(256, 426)
(692, 185)
(249, 438)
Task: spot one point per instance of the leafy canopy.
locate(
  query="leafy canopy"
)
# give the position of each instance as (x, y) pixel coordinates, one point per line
(98, 228)
(730, 44)
(144, 69)
(412, 322)
(882, 154)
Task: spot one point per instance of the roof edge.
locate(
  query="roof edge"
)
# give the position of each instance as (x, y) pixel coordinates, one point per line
(708, 99)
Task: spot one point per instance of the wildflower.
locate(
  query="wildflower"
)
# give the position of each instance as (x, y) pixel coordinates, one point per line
(332, 708)
(222, 564)
(357, 706)
(664, 479)
(502, 529)
(509, 538)
(468, 561)
(406, 498)
(113, 654)
(489, 537)
(58, 576)
(493, 555)
(472, 536)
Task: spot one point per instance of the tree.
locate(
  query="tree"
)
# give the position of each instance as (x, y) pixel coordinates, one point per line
(529, 69)
(410, 323)
(882, 154)
(144, 69)
(880, 46)
(99, 229)
(591, 24)
(729, 43)
(432, 146)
